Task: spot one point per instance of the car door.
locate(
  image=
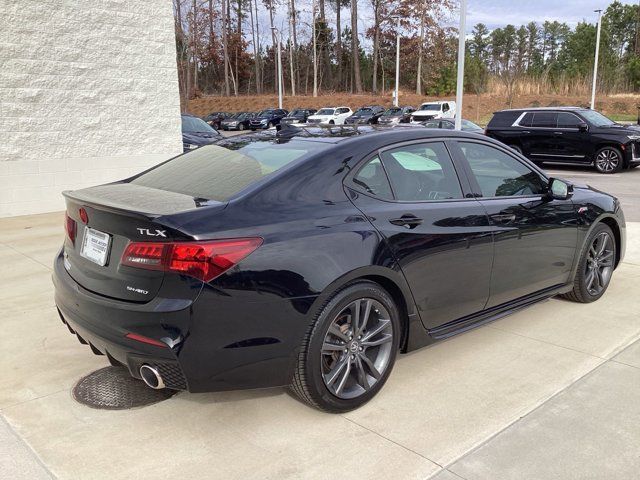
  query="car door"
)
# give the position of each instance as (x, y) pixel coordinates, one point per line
(574, 143)
(535, 236)
(440, 237)
(543, 143)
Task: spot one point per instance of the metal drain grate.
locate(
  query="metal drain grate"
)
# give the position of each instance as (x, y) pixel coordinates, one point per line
(112, 388)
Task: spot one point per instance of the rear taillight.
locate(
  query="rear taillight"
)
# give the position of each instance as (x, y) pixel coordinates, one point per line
(203, 260)
(71, 227)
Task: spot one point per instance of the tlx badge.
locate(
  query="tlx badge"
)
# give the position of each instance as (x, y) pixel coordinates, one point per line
(149, 233)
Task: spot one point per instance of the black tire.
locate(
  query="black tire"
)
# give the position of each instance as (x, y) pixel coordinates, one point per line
(269, 125)
(581, 292)
(309, 382)
(241, 127)
(331, 122)
(609, 160)
(516, 148)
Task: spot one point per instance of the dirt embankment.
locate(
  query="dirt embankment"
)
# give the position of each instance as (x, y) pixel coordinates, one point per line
(621, 107)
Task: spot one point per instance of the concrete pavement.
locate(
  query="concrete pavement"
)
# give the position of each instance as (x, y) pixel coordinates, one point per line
(549, 392)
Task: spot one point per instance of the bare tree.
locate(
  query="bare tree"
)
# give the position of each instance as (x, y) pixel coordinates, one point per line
(355, 47)
(256, 57)
(421, 48)
(291, 60)
(376, 43)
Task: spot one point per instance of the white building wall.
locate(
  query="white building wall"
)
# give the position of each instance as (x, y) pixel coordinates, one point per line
(88, 94)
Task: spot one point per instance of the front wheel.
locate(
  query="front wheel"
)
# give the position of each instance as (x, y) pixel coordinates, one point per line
(609, 160)
(595, 266)
(331, 122)
(349, 351)
(241, 127)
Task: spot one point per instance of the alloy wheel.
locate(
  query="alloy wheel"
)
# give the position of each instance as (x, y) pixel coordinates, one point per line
(357, 348)
(607, 160)
(599, 264)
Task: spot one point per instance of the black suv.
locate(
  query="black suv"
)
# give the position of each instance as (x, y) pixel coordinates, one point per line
(569, 135)
(299, 115)
(267, 118)
(368, 115)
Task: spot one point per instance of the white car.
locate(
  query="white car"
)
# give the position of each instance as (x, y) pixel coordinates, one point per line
(330, 116)
(434, 111)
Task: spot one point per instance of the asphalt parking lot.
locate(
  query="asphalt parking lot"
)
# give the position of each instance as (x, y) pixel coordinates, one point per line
(552, 391)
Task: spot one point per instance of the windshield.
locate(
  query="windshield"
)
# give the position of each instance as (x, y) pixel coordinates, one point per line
(470, 125)
(596, 118)
(363, 111)
(195, 125)
(264, 113)
(326, 111)
(218, 172)
(297, 113)
(431, 107)
(392, 111)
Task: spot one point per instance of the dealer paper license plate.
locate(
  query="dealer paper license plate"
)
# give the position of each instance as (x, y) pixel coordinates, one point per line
(95, 246)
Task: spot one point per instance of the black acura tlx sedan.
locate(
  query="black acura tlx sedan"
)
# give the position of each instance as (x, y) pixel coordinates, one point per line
(310, 259)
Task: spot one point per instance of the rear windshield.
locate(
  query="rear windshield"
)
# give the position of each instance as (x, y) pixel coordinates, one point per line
(326, 111)
(195, 125)
(392, 111)
(215, 172)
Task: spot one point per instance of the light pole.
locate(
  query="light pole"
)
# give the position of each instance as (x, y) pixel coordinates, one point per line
(277, 34)
(595, 65)
(461, 53)
(397, 93)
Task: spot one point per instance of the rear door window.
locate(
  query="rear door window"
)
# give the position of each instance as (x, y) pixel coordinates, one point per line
(545, 120)
(373, 179)
(422, 172)
(215, 172)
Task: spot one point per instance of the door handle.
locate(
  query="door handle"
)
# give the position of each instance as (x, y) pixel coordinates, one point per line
(558, 133)
(503, 218)
(409, 221)
(525, 131)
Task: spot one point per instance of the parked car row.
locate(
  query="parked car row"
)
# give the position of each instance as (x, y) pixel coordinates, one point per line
(338, 115)
(561, 135)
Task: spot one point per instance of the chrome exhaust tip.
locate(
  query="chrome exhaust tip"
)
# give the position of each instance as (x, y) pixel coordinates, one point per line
(151, 377)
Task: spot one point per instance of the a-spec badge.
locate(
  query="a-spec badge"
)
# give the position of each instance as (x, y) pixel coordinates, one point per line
(149, 233)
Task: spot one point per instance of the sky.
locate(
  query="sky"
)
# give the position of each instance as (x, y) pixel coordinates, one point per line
(493, 13)
(497, 13)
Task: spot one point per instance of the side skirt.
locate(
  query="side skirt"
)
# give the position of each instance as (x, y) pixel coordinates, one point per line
(475, 320)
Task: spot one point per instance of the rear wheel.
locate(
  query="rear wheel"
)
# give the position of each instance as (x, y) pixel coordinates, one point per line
(609, 160)
(349, 351)
(595, 266)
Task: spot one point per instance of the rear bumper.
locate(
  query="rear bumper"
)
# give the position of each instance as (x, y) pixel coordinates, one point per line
(215, 342)
(103, 323)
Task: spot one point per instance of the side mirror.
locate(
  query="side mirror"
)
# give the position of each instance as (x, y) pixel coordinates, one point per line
(559, 190)
(583, 127)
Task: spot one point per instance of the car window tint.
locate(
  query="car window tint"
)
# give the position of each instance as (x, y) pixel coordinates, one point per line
(372, 178)
(527, 120)
(217, 172)
(445, 107)
(545, 120)
(499, 174)
(568, 120)
(422, 172)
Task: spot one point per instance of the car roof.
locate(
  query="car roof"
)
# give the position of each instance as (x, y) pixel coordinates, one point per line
(340, 134)
(544, 109)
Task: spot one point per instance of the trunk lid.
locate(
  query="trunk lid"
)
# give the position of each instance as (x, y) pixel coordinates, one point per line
(116, 214)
